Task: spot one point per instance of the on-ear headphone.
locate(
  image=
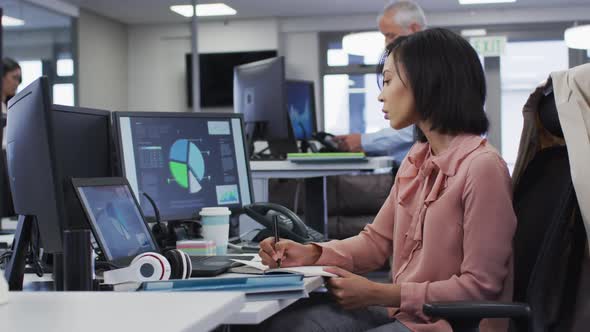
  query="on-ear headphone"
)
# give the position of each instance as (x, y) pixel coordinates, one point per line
(180, 263)
(151, 266)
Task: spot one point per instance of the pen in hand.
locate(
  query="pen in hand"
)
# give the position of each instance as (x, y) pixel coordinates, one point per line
(276, 229)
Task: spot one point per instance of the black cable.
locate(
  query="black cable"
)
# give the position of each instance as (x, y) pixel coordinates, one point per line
(5, 257)
(31, 257)
(155, 207)
(160, 232)
(34, 248)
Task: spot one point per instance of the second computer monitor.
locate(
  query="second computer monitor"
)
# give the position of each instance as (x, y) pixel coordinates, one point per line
(260, 94)
(46, 146)
(301, 108)
(184, 161)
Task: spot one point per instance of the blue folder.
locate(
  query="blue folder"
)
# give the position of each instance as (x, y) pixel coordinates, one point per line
(249, 285)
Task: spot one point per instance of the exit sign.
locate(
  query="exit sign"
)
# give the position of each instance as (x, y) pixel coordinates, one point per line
(489, 46)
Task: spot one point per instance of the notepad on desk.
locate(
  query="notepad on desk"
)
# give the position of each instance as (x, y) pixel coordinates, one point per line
(255, 267)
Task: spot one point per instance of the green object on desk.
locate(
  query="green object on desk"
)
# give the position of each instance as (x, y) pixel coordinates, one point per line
(314, 157)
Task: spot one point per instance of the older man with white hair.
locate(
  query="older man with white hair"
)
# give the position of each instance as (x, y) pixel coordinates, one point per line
(399, 18)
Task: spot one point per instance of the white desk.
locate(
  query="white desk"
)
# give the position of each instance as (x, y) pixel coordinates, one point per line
(7, 238)
(249, 313)
(315, 183)
(110, 311)
(257, 312)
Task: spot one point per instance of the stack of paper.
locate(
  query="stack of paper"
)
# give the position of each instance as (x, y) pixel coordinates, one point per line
(197, 247)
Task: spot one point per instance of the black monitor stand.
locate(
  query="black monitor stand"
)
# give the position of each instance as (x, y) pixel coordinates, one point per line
(278, 148)
(22, 240)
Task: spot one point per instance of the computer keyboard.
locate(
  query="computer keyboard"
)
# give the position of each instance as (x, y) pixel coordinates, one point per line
(195, 259)
(267, 158)
(209, 266)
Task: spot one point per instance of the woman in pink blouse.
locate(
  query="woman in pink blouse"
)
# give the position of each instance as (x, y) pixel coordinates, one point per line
(448, 222)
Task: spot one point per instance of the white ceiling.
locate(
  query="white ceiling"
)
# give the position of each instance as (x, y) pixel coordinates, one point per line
(157, 11)
(34, 17)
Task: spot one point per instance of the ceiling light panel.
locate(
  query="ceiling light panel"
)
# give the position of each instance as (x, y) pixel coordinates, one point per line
(481, 2)
(210, 9)
(8, 21)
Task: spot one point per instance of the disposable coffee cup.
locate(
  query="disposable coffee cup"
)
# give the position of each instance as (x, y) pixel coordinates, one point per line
(215, 221)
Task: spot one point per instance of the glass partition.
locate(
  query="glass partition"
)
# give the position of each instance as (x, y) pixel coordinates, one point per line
(42, 42)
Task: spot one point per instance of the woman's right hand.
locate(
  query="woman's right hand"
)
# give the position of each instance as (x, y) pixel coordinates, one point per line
(289, 252)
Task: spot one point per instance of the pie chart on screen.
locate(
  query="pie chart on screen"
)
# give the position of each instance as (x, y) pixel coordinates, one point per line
(187, 165)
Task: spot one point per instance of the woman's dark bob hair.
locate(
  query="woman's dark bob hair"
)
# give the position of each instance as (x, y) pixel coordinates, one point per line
(446, 78)
(9, 65)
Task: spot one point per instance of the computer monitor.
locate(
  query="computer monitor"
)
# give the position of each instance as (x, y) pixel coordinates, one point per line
(260, 94)
(83, 148)
(47, 145)
(216, 75)
(301, 107)
(184, 161)
(117, 223)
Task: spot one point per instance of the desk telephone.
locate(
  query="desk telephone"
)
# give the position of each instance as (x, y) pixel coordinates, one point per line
(290, 226)
(327, 140)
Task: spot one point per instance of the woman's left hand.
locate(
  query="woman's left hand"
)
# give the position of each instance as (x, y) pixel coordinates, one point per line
(351, 291)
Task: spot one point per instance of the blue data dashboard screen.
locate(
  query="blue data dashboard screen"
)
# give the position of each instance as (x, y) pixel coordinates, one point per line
(185, 163)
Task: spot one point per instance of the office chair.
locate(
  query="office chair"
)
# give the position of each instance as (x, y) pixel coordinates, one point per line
(548, 247)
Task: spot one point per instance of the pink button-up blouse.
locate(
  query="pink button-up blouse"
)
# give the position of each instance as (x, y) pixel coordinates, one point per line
(448, 225)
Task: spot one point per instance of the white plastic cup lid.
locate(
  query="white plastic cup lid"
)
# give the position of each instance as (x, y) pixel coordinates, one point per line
(215, 211)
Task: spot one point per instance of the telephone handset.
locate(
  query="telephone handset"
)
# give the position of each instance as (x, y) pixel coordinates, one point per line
(290, 226)
(327, 140)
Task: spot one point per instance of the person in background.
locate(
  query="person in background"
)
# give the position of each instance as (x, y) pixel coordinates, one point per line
(10, 80)
(448, 222)
(399, 18)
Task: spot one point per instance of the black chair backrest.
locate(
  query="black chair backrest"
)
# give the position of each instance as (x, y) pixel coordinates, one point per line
(549, 243)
